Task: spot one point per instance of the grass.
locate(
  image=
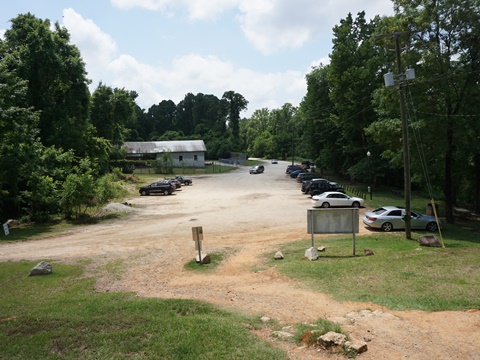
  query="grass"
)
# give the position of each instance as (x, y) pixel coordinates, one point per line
(401, 275)
(215, 260)
(61, 317)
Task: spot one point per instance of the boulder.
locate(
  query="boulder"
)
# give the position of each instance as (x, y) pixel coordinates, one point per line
(205, 259)
(332, 341)
(356, 346)
(311, 254)
(42, 268)
(429, 240)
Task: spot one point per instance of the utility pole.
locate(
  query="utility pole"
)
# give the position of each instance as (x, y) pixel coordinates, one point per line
(406, 152)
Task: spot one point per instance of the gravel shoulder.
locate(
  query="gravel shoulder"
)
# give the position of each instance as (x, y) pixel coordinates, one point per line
(245, 216)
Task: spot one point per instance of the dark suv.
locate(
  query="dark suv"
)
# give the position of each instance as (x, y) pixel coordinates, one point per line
(317, 187)
(159, 187)
(258, 169)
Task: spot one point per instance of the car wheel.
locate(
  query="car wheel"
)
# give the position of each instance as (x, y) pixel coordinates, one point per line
(325, 205)
(145, 193)
(387, 227)
(356, 204)
(432, 226)
(166, 192)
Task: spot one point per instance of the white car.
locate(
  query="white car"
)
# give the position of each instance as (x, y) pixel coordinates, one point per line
(335, 198)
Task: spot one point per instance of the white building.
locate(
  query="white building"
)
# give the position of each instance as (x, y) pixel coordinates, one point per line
(188, 153)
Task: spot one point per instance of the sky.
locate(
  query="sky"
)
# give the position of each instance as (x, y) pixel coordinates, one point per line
(165, 49)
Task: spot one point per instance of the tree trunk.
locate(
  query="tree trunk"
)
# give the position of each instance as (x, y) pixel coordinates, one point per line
(476, 200)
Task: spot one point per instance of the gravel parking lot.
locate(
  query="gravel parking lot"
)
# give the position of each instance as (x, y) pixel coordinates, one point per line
(245, 216)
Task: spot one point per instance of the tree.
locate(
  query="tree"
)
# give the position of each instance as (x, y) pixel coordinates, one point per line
(321, 131)
(446, 39)
(352, 78)
(56, 78)
(19, 145)
(236, 104)
(113, 112)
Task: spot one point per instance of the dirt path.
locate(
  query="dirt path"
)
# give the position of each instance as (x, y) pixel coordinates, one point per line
(245, 216)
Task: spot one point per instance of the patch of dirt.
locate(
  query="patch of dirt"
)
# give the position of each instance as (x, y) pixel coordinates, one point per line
(245, 216)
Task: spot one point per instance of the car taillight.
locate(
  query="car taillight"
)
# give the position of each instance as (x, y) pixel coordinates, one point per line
(371, 218)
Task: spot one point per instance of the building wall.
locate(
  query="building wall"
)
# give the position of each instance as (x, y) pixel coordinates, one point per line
(187, 159)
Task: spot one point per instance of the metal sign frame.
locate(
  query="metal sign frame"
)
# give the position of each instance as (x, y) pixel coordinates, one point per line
(333, 221)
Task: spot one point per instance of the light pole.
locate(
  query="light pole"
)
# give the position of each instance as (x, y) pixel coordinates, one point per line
(369, 176)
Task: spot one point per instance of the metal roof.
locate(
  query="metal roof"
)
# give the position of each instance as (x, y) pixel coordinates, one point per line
(154, 147)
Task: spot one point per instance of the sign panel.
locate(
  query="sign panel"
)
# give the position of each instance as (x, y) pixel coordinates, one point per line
(197, 233)
(5, 229)
(333, 221)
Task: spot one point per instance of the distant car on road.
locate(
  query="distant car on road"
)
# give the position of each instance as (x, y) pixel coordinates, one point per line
(258, 169)
(274, 161)
(159, 187)
(335, 198)
(388, 218)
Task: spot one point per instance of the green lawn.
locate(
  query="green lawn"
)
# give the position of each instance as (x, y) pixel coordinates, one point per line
(400, 275)
(60, 316)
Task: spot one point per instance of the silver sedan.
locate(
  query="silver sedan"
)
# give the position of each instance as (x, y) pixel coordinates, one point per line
(336, 198)
(388, 218)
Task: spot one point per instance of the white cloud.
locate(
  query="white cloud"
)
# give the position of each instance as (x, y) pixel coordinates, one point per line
(188, 73)
(2, 33)
(98, 49)
(320, 62)
(196, 9)
(272, 25)
(146, 4)
(193, 73)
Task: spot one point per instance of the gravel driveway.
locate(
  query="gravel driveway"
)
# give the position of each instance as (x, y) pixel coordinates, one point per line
(244, 216)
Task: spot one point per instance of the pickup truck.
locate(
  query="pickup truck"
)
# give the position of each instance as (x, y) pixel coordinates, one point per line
(184, 180)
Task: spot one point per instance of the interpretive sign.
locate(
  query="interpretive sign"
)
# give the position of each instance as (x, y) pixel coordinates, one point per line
(333, 221)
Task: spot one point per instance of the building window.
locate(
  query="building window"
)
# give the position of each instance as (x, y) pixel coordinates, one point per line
(180, 158)
(195, 157)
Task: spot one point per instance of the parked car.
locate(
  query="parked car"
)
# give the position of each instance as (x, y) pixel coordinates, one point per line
(319, 187)
(295, 173)
(389, 218)
(335, 198)
(291, 168)
(307, 183)
(174, 182)
(305, 177)
(159, 187)
(183, 180)
(274, 161)
(258, 169)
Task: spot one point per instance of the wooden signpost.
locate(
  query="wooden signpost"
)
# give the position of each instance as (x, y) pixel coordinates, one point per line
(197, 233)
